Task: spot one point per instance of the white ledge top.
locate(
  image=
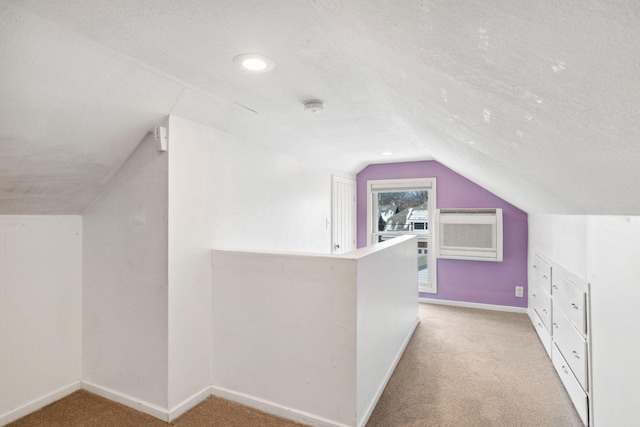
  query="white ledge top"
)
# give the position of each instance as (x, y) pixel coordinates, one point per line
(358, 253)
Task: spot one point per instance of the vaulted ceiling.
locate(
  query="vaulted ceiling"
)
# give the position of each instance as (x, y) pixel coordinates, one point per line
(535, 101)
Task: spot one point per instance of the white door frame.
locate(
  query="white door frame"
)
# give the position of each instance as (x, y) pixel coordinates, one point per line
(408, 184)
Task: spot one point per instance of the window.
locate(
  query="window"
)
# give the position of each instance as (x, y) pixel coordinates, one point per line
(405, 206)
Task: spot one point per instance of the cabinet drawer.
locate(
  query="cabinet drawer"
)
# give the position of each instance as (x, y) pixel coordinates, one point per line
(543, 334)
(577, 395)
(571, 300)
(572, 345)
(542, 273)
(540, 301)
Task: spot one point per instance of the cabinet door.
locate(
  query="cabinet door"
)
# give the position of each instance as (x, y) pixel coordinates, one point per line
(540, 301)
(543, 334)
(577, 395)
(542, 273)
(572, 344)
(571, 300)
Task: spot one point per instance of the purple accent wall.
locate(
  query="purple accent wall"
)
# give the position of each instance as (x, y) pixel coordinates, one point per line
(458, 280)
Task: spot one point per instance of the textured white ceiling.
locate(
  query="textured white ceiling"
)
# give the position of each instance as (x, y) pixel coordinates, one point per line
(535, 101)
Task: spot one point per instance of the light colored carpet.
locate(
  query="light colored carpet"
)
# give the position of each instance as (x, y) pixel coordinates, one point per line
(463, 367)
(469, 367)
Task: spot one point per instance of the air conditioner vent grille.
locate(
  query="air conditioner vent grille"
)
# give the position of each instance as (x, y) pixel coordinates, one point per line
(472, 234)
(477, 236)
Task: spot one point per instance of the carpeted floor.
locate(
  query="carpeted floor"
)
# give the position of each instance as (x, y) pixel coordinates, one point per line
(83, 409)
(463, 367)
(469, 367)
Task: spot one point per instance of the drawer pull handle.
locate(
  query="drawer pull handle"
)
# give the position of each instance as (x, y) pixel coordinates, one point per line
(534, 295)
(535, 266)
(544, 277)
(540, 324)
(554, 286)
(545, 310)
(576, 355)
(555, 325)
(565, 369)
(575, 306)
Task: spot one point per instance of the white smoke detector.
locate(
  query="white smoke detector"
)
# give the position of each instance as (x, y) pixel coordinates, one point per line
(314, 106)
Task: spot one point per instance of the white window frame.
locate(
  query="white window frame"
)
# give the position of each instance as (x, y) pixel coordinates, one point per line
(410, 184)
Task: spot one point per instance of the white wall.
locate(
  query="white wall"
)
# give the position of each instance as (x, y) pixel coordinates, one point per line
(145, 258)
(263, 200)
(191, 222)
(284, 333)
(563, 238)
(605, 251)
(125, 322)
(387, 316)
(224, 192)
(40, 311)
(312, 337)
(614, 273)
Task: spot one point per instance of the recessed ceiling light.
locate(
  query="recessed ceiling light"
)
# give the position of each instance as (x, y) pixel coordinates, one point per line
(254, 62)
(387, 153)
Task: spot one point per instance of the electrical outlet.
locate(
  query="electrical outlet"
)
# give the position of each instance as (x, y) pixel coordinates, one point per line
(520, 291)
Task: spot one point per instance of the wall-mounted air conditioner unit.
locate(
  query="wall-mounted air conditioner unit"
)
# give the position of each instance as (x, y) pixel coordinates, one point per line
(473, 234)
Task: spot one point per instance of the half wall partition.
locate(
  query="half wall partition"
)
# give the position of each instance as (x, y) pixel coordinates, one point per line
(311, 337)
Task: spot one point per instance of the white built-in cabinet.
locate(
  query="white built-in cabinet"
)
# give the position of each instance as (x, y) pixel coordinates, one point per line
(559, 311)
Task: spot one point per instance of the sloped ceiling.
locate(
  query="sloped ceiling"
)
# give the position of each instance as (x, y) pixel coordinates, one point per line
(535, 101)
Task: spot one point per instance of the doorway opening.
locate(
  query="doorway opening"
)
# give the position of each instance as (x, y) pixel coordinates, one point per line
(405, 206)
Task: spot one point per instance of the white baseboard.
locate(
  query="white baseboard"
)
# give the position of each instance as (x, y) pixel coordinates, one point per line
(189, 403)
(132, 402)
(493, 307)
(275, 408)
(38, 403)
(367, 414)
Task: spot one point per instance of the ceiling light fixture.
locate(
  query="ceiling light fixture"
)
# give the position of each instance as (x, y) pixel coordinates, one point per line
(314, 105)
(254, 62)
(387, 153)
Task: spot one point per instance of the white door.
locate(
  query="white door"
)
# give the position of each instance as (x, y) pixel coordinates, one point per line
(343, 213)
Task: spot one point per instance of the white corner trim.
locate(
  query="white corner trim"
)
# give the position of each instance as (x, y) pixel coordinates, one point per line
(362, 421)
(189, 403)
(38, 403)
(132, 402)
(274, 408)
(493, 307)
